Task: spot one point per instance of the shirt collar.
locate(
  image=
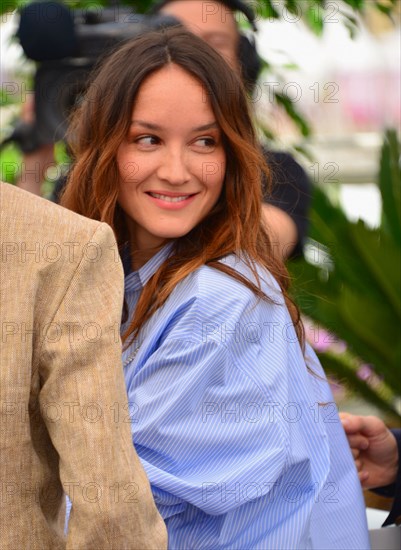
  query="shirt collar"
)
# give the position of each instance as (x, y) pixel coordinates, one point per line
(136, 280)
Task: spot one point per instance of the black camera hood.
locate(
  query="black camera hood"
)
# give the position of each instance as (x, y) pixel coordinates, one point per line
(68, 44)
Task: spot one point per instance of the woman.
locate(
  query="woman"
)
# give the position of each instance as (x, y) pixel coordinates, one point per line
(227, 419)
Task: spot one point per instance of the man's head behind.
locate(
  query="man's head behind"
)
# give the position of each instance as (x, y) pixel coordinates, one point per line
(214, 22)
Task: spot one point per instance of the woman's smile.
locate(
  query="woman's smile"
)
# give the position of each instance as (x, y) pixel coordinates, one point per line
(171, 200)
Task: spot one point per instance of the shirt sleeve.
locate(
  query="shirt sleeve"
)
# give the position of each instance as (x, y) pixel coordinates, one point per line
(198, 417)
(199, 428)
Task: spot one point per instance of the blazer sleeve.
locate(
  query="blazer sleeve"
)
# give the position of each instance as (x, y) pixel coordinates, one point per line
(395, 488)
(84, 405)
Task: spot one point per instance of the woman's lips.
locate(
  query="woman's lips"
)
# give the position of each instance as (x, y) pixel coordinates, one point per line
(171, 201)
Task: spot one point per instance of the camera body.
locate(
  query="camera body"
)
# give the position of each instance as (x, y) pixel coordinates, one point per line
(67, 46)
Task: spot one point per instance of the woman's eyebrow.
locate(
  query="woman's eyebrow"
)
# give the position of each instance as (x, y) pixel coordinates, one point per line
(204, 127)
(148, 125)
(152, 126)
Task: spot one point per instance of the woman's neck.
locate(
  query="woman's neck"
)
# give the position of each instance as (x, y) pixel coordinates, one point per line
(139, 257)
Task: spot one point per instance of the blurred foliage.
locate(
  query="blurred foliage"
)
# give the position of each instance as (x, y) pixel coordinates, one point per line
(10, 162)
(351, 285)
(6, 98)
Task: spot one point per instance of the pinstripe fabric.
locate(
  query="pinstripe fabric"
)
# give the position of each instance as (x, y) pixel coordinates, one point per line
(230, 426)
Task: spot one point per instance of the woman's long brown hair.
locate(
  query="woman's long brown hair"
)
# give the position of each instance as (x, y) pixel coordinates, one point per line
(234, 225)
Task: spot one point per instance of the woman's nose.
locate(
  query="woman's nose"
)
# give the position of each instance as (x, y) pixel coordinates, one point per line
(173, 168)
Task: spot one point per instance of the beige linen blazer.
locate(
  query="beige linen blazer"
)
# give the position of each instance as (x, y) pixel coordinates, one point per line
(63, 411)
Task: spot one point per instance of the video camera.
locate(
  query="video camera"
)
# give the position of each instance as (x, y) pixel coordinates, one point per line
(67, 44)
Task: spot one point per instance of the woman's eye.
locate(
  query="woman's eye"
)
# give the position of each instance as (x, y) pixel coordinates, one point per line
(146, 140)
(206, 142)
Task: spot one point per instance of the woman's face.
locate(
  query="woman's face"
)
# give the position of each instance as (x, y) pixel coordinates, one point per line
(172, 162)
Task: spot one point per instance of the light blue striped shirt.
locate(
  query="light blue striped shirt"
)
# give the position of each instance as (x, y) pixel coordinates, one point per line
(243, 447)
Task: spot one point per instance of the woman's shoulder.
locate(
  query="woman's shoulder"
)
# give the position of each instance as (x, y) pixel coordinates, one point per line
(217, 293)
(229, 283)
(211, 300)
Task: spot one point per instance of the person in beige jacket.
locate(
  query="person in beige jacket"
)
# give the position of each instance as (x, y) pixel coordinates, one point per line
(64, 417)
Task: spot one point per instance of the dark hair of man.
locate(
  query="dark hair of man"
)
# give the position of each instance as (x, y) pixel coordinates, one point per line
(234, 225)
(233, 5)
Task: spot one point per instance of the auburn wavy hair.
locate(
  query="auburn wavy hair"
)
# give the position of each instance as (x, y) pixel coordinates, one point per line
(234, 225)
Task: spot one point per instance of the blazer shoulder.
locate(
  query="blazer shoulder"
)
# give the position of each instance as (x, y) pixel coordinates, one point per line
(25, 215)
